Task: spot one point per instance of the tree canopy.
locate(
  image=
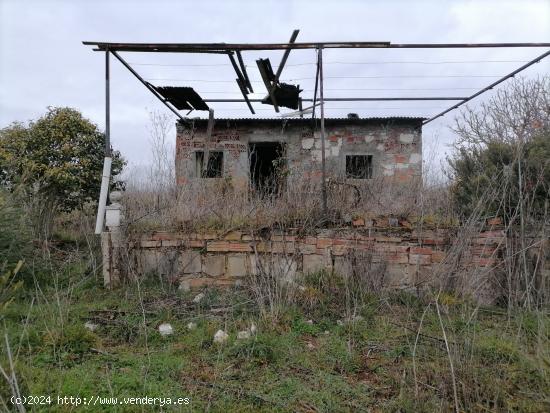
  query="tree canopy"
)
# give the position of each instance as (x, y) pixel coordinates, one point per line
(502, 160)
(59, 156)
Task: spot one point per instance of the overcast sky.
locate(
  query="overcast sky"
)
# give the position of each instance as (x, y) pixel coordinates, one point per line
(43, 62)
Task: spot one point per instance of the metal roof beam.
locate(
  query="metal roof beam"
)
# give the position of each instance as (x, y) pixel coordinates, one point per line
(225, 47)
(353, 99)
(492, 85)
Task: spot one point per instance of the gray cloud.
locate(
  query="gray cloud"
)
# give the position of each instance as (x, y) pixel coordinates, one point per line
(43, 63)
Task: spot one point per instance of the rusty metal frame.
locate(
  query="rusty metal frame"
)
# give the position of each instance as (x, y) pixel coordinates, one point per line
(148, 86)
(244, 83)
(492, 85)
(226, 47)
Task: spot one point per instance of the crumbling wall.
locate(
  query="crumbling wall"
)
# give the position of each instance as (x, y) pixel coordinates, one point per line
(395, 146)
(409, 256)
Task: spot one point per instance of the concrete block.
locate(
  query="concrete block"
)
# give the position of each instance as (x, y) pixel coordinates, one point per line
(324, 242)
(307, 143)
(213, 265)
(190, 262)
(238, 265)
(217, 246)
(233, 236)
(415, 158)
(240, 247)
(419, 259)
(343, 266)
(314, 262)
(306, 248)
(406, 137)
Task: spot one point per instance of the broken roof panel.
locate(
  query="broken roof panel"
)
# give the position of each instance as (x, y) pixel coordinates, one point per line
(183, 98)
(286, 95)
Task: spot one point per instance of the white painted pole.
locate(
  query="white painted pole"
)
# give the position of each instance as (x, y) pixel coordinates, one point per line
(105, 177)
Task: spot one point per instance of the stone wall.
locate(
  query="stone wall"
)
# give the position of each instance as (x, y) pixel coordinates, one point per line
(394, 143)
(216, 259)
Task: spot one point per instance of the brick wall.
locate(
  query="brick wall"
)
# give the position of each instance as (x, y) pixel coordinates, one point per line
(394, 143)
(408, 254)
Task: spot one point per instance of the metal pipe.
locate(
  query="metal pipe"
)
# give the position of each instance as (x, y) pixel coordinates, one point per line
(492, 85)
(105, 178)
(285, 55)
(225, 47)
(315, 91)
(106, 175)
(348, 99)
(245, 73)
(147, 85)
(322, 104)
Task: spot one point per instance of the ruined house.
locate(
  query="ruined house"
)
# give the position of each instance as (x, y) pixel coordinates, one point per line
(249, 152)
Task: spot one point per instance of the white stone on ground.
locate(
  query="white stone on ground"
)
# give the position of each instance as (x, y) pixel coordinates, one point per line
(198, 298)
(220, 337)
(191, 325)
(184, 286)
(243, 335)
(253, 328)
(91, 326)
(165, 329)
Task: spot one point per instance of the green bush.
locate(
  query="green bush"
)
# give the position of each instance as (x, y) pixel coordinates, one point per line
(75, 339)
(491, 175)
(259, 350)
(15, 237)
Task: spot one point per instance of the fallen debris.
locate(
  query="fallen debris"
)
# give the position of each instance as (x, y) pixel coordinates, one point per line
(91, 326)
(220, 337)
(243, 335)
(198, 298)
(166, 329)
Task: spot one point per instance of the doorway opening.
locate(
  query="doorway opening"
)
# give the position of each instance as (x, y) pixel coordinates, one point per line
(266, 164)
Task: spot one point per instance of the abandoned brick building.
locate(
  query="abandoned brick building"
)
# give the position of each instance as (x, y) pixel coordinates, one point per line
(249, 151)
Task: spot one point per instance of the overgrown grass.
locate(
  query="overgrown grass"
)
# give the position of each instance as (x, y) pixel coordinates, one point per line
(311, 359)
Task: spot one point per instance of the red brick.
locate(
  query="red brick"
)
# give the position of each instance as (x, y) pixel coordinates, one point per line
(359, 222)
(397, 258)
(240, 247)
(162, 236)
(195, 243)
(405, 223)
(483, 262)
(433, 241)
(233, 236)
(324, 242)
(494, 221)
(400, 158)
(203, 282)
(421, 250)
(339, 249)
(307, 248)
(438, 256)
(388, 239)
(171, 243)
(150, 244)
(381, 222)
(282, 247)
(311, 240)
(341, 241)
(420, 259)
(492, 234)
(487, 241)
(221, 246)
(263, 246)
